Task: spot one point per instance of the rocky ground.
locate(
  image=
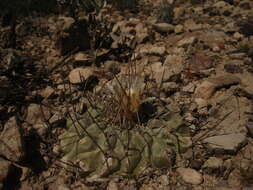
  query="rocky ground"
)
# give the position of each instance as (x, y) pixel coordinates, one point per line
(66, 123)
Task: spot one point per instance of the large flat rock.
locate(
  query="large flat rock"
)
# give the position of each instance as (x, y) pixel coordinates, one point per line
(226, 143)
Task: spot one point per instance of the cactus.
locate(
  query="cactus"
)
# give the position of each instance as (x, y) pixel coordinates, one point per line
(109, 138)
(103, 150)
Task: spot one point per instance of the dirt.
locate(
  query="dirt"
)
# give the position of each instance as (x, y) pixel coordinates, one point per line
(186, 124)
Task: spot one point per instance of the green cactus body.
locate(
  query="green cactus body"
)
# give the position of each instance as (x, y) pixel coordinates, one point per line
(104, 150)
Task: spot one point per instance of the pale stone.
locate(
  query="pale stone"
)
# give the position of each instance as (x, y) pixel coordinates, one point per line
(226, 143)
(190, 176)
(238, 36)
(189, 88)
(11, 145)
(207, 88)
(81, 59)
(186, 41)
(163, 27)
(213, 163)
(179, 28)
(47, 92)
(112, 186)
(37, 114)
(80, 75)
(5, 166)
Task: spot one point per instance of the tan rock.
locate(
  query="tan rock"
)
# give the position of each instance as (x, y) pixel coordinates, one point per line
(142, 33)
(225, 80)
(159, 72)
(235, 178)
(178, 12)
(37, 114)
(149, 187)
(11, 144)
(112, 186)
(190, 25)
(4, 165)
(81, 59)
(80, 75)
(200, 62)
(163, 27)
(174, 63)
(47, 92)
(238, 36)
(186, 41)
(65, 22)
(190, 176)
(213, 163)
(226, 143)
(189, 88)
(179, 29)
(149, 49)
(207, 88)
(220, 4)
